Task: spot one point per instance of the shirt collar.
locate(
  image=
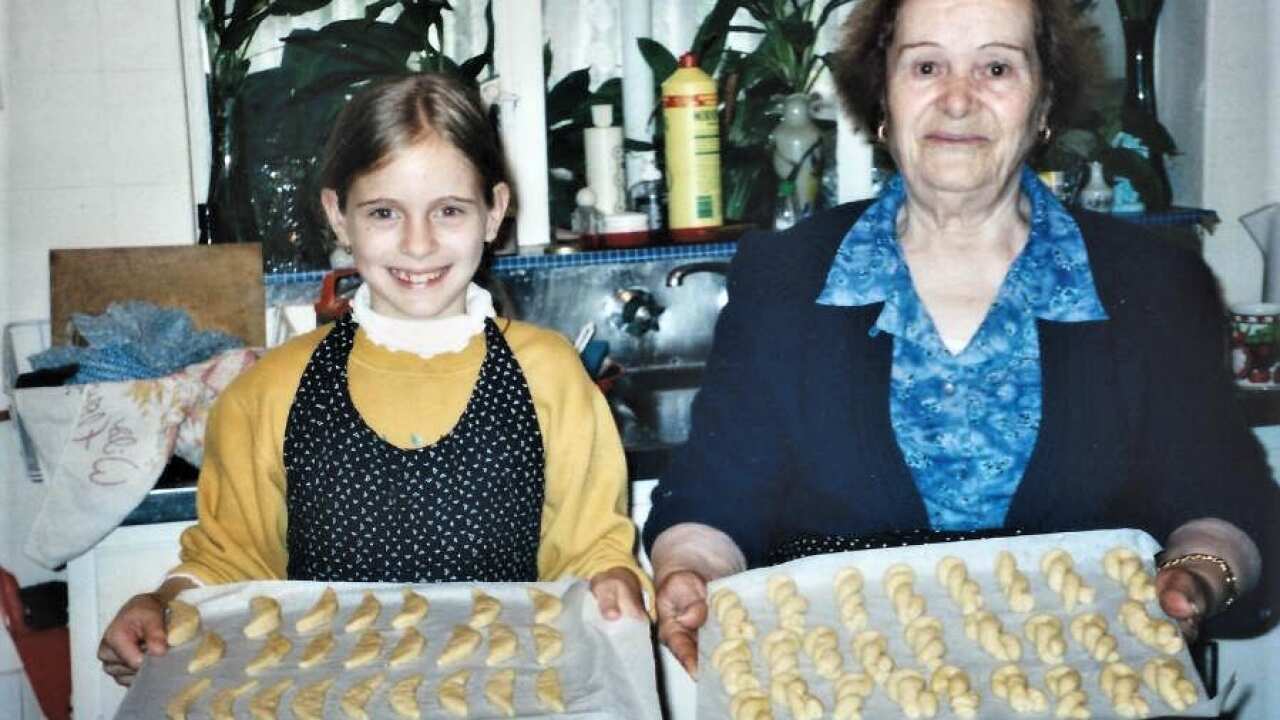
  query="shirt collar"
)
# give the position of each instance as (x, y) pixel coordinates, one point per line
(1050, 279)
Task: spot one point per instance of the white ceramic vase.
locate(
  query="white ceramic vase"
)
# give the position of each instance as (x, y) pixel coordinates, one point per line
(795, 142)
(1096, 194)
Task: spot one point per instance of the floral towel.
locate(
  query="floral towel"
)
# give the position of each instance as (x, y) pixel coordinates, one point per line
(101, 447)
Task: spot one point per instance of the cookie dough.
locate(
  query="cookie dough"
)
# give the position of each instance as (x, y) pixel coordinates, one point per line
(484, 609)
(964, 590)
(1015, 586)
(1045, 633)
(317, 650)
(403, 698)
(408, 649)
(1067, 688)
(732, 615)
(222, 706)
(924, 637)
(548, 690)
(308, 704)
(357, 696)
(183, 622)
(872, 650)
(413, 608)
(177, 707)
(499, 691)
(1009, 683)
(1090, 630)
(823, 648)
(952, 684)
(1154, 632)
(899, 585)
(908, 689)
(546, 607)
(367, 649)
(461, 643)
(320, 616)
(502, 644)
(1168, 679)
(273, 651)
(452, 693)
(264, 617)
(750, 704)
(851, 691)
(985, 629)
(264, 705)
(1124, 566)
(848, 584)
(1059, 571)
(365, 615)
(211, 649)
(1120, 684)
(548, 643)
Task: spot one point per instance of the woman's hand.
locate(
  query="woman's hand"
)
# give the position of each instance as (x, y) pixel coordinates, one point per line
(137, 630)
(682, 609)
(618, 594)
(1190, 593)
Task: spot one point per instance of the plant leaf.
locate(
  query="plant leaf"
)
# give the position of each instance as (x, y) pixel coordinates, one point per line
(657, 57)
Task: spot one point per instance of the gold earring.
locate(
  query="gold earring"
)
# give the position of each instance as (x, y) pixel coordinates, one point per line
(880, 132)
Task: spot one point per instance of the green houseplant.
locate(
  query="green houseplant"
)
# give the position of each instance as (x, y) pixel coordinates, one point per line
(270, 126)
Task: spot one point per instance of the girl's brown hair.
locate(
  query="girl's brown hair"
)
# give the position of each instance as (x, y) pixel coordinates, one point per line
(393, 114)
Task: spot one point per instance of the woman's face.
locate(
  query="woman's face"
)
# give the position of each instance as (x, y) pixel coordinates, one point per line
(963, 84)
(416, 226)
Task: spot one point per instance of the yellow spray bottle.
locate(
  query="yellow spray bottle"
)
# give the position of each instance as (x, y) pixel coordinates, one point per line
(692, 131)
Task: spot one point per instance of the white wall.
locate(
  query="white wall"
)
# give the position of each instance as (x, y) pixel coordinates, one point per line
(95, 120)
(1242, 155)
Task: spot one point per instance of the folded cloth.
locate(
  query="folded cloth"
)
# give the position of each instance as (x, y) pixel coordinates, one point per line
(134, 340)
(101, 447)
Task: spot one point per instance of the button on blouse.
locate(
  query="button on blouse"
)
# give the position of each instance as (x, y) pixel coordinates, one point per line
(967, 423)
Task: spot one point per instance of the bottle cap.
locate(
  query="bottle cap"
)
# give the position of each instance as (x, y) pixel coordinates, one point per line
(689, 60)
(625, 222)
(602, 115)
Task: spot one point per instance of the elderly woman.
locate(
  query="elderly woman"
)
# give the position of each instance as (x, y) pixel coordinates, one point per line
(963, 356)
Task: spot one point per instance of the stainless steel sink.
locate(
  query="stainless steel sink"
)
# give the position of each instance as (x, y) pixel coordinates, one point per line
(651, 404)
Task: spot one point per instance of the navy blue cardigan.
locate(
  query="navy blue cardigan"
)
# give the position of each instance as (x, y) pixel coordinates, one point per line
(791, 432)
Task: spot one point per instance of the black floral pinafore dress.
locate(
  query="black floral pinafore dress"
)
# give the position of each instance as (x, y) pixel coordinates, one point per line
(468, 508)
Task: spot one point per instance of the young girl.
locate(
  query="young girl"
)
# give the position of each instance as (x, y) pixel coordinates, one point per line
(418, 439)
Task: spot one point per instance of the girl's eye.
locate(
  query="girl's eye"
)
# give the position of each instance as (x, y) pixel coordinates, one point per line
(381, 213)
(928, 67)
(998, 69)
(452, 211)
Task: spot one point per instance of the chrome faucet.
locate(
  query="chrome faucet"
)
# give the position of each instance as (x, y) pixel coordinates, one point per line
(676, 277)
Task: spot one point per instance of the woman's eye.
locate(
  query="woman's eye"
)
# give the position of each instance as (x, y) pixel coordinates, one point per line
(381, 213)
(997, 69)
(451, 211)
(928, 67)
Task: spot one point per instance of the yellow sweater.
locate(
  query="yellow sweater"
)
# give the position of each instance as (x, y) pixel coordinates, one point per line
(410, 401)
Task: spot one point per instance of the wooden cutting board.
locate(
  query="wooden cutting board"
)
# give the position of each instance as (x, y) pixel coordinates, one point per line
(220, 286)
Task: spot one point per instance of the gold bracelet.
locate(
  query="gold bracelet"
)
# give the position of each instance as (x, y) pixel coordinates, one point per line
(1229, 582)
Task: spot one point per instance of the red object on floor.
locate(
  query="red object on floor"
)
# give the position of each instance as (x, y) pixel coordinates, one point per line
(46, 654)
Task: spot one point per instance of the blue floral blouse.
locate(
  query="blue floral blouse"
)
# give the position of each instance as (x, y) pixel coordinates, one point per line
(966, 423)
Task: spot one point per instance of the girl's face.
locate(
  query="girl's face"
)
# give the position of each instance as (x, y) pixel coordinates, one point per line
(416, 226)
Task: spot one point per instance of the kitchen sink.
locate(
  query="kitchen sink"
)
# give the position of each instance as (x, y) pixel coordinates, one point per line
(651, 404)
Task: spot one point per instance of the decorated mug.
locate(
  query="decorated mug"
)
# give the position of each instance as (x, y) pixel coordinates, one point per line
(1255, 339)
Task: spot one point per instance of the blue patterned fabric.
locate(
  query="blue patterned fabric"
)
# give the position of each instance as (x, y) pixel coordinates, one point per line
(966, 423)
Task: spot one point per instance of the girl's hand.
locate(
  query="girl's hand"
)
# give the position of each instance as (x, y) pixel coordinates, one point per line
(137, 630)
(682, 609)
(618, 594)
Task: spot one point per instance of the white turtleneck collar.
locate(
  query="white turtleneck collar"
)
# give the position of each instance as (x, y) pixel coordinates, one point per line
(425, 338)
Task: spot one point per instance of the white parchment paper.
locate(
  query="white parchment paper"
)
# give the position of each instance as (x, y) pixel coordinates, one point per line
(814, 575)
(606, 669)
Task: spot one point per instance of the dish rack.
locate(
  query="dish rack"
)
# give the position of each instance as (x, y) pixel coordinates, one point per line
(21, 341)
